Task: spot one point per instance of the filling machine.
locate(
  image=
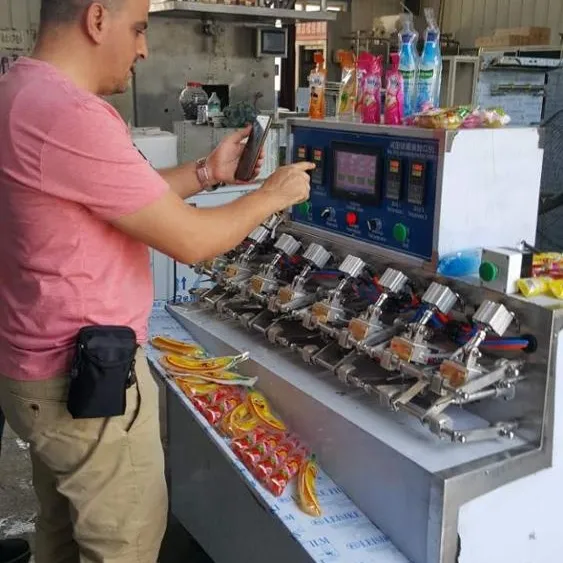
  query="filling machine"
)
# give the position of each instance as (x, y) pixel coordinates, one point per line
(430, 401)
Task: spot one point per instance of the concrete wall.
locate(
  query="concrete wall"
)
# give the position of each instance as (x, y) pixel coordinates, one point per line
(364, 11)
(179, 52)
(19, 14)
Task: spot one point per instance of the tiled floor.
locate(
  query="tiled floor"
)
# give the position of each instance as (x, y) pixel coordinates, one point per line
(18, 507)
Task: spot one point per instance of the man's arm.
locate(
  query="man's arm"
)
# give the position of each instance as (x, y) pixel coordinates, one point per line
(221, 166)
(182, 180)
(191, 235)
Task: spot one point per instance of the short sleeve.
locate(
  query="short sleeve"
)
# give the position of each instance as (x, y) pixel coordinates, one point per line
(88, 157)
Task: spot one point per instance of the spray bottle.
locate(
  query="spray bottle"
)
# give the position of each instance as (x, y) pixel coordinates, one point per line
(430, 70)
(394, 93)
(408, 63)
(317, 83)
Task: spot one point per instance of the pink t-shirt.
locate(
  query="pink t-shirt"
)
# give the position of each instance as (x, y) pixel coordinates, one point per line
(67, 168)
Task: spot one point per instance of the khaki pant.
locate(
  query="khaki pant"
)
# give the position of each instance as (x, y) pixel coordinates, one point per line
(100, 482)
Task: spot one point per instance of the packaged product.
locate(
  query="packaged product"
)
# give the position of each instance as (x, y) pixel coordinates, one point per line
(531, 287)
(317, 84)
(261, 408)
(348, 85)
(307, 489)
(394, 94)
(370, 69)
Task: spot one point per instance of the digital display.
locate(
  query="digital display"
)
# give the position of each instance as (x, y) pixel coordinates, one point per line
(394, 179)
(355, 172)
(317, 176)
(417, 183)
(301, 153)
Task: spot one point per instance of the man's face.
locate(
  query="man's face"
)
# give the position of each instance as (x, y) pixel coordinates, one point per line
(124, 44)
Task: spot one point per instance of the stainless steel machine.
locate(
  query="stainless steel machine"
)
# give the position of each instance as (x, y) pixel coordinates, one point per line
(423, 397)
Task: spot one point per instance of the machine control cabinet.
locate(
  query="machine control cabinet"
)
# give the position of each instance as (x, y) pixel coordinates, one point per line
(377, 188)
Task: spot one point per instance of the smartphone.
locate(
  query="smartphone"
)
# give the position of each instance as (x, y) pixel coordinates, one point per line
(253, 148)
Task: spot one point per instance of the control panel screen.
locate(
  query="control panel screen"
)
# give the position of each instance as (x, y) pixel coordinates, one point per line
(356, 173)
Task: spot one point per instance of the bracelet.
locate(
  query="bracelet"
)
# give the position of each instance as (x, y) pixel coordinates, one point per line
(202, 173)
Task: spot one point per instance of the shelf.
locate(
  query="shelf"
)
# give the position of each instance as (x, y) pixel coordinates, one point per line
(184, 9)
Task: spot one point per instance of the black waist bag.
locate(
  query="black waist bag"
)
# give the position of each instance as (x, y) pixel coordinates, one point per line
(102, 370)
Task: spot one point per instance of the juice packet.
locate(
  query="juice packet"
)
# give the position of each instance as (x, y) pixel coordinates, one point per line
(370, 70)
(317, 83)
(348, 85)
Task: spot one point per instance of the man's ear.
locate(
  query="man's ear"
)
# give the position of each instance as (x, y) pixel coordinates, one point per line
(96, 22)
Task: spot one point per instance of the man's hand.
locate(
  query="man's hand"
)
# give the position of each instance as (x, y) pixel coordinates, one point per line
(289, 185)
(223, 161)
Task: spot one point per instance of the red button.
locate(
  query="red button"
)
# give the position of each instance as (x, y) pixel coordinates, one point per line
(351, 219)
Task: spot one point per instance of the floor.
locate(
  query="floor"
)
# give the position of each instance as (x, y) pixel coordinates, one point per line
(18, 506)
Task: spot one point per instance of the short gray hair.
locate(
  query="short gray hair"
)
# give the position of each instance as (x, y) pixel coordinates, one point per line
(64, 11)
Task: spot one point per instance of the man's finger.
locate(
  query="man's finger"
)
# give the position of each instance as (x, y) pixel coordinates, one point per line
(304, 165)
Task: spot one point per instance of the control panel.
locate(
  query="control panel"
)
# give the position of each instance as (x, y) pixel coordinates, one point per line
(375, 187)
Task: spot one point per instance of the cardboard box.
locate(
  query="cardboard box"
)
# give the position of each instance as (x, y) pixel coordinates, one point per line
(535, 35)
(502, 41)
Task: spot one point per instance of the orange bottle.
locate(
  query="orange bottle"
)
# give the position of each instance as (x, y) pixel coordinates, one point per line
(317, 83)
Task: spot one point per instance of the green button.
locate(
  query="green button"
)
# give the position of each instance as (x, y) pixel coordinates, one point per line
(488, 271)
(400, 232)
(304, 209)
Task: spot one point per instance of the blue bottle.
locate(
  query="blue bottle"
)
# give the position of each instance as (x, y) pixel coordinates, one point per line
(430, 68)
(460, 264)
(408, 63)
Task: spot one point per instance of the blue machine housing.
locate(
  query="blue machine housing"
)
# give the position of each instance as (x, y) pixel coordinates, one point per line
(376, 187)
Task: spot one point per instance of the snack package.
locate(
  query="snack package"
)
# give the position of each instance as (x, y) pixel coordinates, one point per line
(451, 118)
(192, 389)
(263, 447)
(243, 443)
(531, 287)
(556, 288)
(178, 347)
(317, 84)
(261, 408)
(548, 263)
(270, 464)
(239, 421)
(289, 468)
(486, 118)
(394, 94)
(307, 490)
(369, 72)
(348, 85)
(220, 407)
(205, 365)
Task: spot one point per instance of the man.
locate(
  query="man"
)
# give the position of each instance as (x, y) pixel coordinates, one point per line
(78, 205)
(12, 550)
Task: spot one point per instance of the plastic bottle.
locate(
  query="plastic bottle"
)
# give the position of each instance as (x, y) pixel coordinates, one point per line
(461, 263)
(213, 106)
(430, 68)
(394, 93)
(408, 63)
(317, 83)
